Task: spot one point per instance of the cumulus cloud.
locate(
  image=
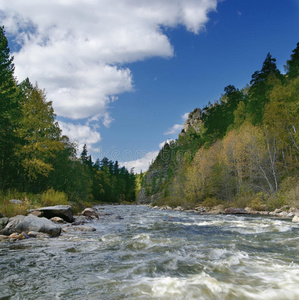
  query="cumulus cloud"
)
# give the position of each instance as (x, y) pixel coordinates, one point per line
(142, 163)
(83, 134)
(76, 49)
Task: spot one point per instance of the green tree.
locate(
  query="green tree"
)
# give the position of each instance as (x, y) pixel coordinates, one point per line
(39, 134)
(261, 85)
(292, 66)
(8, 112)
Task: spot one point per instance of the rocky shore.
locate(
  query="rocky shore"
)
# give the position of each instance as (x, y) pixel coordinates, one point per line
(47, 222)
(285, 212)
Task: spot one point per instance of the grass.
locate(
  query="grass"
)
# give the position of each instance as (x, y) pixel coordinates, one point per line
(29, 201)
(52, 197)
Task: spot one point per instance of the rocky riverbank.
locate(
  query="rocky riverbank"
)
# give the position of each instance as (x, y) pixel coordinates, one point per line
(46, 222)
(285, 212)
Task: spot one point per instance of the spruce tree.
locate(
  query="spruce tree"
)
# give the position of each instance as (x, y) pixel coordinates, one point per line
(8, 111)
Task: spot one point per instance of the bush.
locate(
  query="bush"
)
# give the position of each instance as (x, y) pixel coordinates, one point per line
(210, 202)
(52, 197)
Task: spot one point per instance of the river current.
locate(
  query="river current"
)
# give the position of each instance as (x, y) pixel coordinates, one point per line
(154, 254)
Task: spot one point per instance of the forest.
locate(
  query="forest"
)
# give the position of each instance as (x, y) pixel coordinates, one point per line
(242, 151)
(36, 159)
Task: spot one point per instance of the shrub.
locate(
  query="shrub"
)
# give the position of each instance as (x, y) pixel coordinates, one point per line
(52, 197)
(210, 202)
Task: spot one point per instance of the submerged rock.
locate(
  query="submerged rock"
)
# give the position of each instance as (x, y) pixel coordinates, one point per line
(78, 228)
(63, 211)
(80, 220)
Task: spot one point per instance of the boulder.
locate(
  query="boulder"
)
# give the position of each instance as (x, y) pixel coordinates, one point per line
(63, 211)
(235, 211)
(89, 212)
(78, 228)
(12, 224)
(36, 213)
(14, 201)
(21, 224)
(296, 219)
(57, 220)
(32, 223)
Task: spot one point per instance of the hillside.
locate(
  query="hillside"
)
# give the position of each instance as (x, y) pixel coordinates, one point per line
(242, 150)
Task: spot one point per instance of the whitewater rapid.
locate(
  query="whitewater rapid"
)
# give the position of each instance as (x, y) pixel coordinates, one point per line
(153, 254)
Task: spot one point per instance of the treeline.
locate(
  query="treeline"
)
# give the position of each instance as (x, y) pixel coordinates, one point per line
(35, 156)
(243, 151)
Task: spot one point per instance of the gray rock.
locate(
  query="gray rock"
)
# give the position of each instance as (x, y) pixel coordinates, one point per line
(63, 211)
(296, 219)
(3, 238)
(78, 228)
(80, 220)
(12, 224)
(14, 201)
(21, 224)
(235, 211)
(57, 220)
(89, 212)
(36, 213)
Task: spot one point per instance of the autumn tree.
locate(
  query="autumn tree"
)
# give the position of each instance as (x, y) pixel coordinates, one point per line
(39, 136)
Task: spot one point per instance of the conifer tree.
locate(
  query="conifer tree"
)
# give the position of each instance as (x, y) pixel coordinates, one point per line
(8, 110)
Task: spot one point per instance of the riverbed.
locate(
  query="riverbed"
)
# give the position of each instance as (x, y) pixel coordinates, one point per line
(141, 253)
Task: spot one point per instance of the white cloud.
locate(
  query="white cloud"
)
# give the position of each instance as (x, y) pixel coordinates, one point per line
(185, 116)
(75, 49)
(82, 134)
(141, 164)
(177, 128)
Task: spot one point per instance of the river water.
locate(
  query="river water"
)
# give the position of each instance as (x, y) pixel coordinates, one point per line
(153, 254)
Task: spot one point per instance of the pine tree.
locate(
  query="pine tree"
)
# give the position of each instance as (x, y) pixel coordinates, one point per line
(292, 66)
(8, 111)
(260, 88)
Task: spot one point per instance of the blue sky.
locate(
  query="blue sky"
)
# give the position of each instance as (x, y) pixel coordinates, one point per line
(122, 73)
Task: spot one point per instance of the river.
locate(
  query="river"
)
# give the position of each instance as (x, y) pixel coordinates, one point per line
(153, 254)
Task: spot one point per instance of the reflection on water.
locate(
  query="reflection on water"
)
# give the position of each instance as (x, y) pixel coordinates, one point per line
(152, 254)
